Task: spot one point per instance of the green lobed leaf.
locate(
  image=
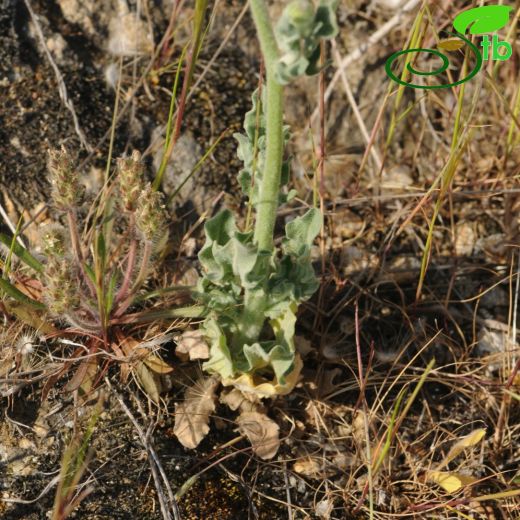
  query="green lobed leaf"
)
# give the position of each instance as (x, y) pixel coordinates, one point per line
(220, 361)
(299, 32)
(301, 232)
(251, 149)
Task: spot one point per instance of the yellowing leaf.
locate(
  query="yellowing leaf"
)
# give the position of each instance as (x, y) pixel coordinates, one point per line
(450, 482)
(263, 388)
(192, 415)
(465, 442)
(450, 44)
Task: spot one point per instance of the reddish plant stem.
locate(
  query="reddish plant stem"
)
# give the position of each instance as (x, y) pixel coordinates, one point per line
(138, 282)
(76, 247)
(123, 291)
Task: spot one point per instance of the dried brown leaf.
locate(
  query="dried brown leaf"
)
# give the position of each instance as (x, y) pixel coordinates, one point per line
(191, 346)
(262, 432)
(322, 467)
(157, 365)
(150, 382)
(192, 415)
(236, 399)
(309, 466)
(84, 376)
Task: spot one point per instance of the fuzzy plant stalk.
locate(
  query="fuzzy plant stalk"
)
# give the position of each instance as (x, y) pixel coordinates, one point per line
(300, 12)
(270, 187)
(252, 289)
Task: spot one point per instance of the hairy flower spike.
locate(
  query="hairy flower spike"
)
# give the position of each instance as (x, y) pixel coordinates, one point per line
(55, 241)
(67, 191)
(61, 286)
(130, 175)
(151, 215)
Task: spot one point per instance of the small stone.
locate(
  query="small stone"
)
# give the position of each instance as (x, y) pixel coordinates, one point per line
(465, 239)
(324, 508)
(26, 444)
(129, 34)
(396, 179)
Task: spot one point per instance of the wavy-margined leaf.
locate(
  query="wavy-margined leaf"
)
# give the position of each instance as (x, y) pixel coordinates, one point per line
(221, 227)
(251, 150)
(218, 231)
(325, 19)
(277, 356)
(232, 255)
(484, 19)
(299, 32)
(301, 232)
(220, 361)
(233, 267)
(260, 387)
(268, 354)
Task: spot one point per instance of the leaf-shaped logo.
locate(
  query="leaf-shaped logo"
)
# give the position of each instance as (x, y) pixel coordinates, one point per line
(480, 20)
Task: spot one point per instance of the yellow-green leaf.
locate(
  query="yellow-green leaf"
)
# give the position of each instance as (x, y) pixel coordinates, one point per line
(450, 481)
(31, 317)
(465, 442)
(450, 44)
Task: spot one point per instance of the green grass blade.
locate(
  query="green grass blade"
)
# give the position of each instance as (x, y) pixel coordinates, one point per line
(7, 288)
(389, 433)
(394, 424)
(21, 252)
(196, 44)
(200, 162)
(195, 311)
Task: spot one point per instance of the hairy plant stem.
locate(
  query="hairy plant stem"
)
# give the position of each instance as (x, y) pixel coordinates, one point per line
(123, 291)
(143, 271)
(253, 314)
(141, 277)
(132, 255)
(82, 323)
(76, 247)
(270, 185)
